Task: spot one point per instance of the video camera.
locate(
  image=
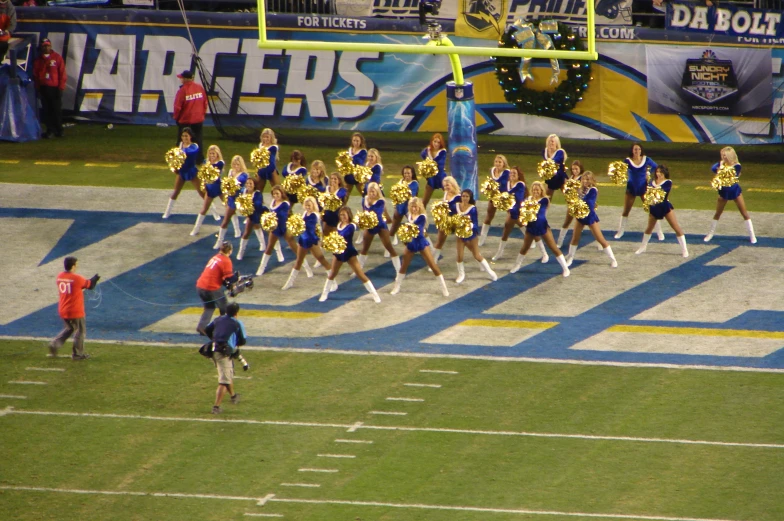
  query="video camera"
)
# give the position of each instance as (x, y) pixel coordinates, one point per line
(242, 283)
(428, 8)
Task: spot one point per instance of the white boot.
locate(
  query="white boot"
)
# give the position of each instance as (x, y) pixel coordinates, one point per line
(289, 283)
(214, 211)
(483, 233)
(562, 261)
(444, 291)
(750, 228)
(263, 264)
(325, 291)
(359, 238)
(396, 263)
(242, 248)
(645, 238)
(682, 242)
(609, 252)
(489, 270)
(235, 221)
(316, 264)
(545, 257)
(168, 210)
(657, 229)
(518, 263)
(621, 227)
(460, 272)
(436, 254)
(308, 271)
(369, 287)
(398, 282)
(708, 237)
(561, 236)
(362, 261)
(386, 254)
(500, 252)
(570, 255)
(260, 237)
(394, 240)
(279, 252)
(221, 237)
(197, 226)
(334, 286)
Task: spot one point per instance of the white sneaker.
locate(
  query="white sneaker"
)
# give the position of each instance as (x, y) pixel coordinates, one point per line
(545, 258)
(619, 234)
(708, 237)
(641, 250)
(569, 260)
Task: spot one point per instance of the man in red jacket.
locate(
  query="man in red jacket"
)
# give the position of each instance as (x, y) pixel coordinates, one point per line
(190, 107)
(49, 76)
(70, 286)
(7, 25)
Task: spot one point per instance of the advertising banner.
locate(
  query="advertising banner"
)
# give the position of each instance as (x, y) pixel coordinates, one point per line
(481, 19)
(723, 81)
(726, 18)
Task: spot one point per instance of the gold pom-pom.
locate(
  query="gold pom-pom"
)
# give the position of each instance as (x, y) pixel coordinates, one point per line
(490, 188)
(293, 183)
(307, 191)
(400, 192)
(207, 174)
(578, 209)
(463, 226)
(529, 210)
(229, 186)
(503, 201)
(427, 168)
(442, 217)
(618, 172)
(334, 243)
(407, 232)
(344, 163)
(725, 176)
(571, 189)
(260, 157)
(330, 201)
(362, 174)
(366, 220)
(653, 195)
(295, 225)
(244, 204)
(547, 169)
(175, 159)
(269, 221)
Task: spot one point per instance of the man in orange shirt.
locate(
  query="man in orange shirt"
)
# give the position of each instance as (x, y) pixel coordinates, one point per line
(71, 308)
(210, 285)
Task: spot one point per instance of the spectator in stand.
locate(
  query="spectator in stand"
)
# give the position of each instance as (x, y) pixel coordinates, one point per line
(190, 107)
(7, 25)
(49, 76)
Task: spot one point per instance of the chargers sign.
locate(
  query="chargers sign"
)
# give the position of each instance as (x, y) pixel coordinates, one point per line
(727, 19)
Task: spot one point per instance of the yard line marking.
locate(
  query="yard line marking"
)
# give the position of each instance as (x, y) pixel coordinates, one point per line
(26, 382)
(251, 514)
(768, 190)
(13, 396)
(103, 165)
(153, 167)
(398, 399)
(411, 429)
(697, 331)
(418, 506)
(52, 163)
(434, 386)
(388, 413)
(9, 161)
(710, 188)
(263, 501)
(348, 456)
(492, 322)
(243, 377)
(318, 470)
(6, 410)
(356, 426)
(353, 441)
(262, 313)
(437, 371)
(44, 369)
(304, 485)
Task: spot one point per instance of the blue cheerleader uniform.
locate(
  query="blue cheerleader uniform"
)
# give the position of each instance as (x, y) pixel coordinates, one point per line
(359, 159)
(437, 181)
(378, 208)
(518, 191)
(310, 236)
(266, 172)
(402, 208)
(729, 193)
(471, 212)
(214, 189)
(557, 181)
(502, 180)
(331, 218)
(539, 227)
(188, 170)
(241, 179)
(375, 177)
(258, 207)
(287, 171)
(347, 232)
(282, 213)
(590, 199)
(663, 208)
(638, 178)
(453, 203)
(420, 242)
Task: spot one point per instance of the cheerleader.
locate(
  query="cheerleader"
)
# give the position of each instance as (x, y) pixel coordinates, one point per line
(187, 171)
(554, 151)
(419, 245)
(269, 172)
(338, 189)
(281, 206)
(239, 172)
(639, 166)
(451, 196)
(516, 186)
(376, 169)
(663, 210)
(589, 193)
(211, 190)
(374, 202)
(359, 154)
(576, 171)
(253, 222)
(730, 193)
(436, 151)
(540, 229)
(308, 242)
(500, 174)
(296, 166)
(409, 177)
(346, 229)
(466, 207)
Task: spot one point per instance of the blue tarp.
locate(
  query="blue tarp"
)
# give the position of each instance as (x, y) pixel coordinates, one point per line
(18, 107)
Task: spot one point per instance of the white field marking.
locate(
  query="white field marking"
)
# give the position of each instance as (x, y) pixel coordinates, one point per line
(356, 426)
(26, 382)
(437, 371)
(302, 485)
(399, 399)
(7, 410)
(388, 413)
(52, 163)
(347, 456)
(243, 377)
(128, 493)
(329, 471)
(263, 501)
(58, 369)
(305, 351)
(13, 396)
(251, 514)
(9, 161)
(353, 441)
(103, 165)
(433, 386)
(409, 429)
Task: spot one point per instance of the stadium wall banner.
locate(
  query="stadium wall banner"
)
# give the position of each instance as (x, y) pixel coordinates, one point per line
(725, 19)
(122, 67)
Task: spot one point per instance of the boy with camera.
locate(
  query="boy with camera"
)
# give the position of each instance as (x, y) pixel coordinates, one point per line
(227, 334)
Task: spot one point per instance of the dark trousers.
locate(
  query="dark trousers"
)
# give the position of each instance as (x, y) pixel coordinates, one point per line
(3, 50)
(212, 299)
(73, 326)
(196, 128)
(52, 109)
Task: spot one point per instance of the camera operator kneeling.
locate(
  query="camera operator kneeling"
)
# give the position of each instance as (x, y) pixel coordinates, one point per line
(227, 334)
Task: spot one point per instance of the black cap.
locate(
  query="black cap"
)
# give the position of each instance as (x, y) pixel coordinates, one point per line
(188, 75)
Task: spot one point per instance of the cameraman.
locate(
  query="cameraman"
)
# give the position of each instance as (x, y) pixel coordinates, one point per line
(227, 334)
(211, 284)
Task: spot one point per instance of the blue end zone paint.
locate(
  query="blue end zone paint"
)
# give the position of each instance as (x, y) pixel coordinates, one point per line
(167, 284)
